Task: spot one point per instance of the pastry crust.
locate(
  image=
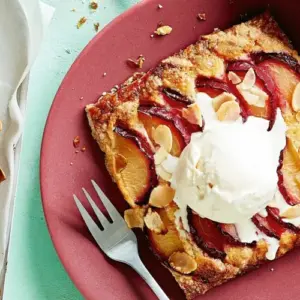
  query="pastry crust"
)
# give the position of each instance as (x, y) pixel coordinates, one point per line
(207, 58)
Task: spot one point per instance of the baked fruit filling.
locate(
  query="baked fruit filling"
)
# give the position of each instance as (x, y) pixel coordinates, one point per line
(151, 127)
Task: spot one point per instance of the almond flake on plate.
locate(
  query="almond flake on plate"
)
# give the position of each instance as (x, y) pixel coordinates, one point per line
(163, 30)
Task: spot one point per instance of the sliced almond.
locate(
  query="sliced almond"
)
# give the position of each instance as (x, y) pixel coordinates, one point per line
(296, 98)
(292, 212)
(235, 79)
(254, 96)
(161, 196)
(163, 30)
(154, 222)
(160, 155)
(182, 262)
(163, 174)
(2, 175)
(170, 163)
(222, 98)
(193, 114)
(163, 137)
(229, 111)
(249, 80)
(134, 217)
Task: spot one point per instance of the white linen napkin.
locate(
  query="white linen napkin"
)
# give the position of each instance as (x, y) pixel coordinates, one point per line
(22, 25)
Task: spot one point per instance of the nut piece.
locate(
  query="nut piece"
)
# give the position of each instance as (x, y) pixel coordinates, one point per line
(154, 222)
(161, 196)
(76, 141)
(163, 30)
(229, 111)
(163, 174)
(2, 175)
(201, 17)
(134, 217)
(292, 212)
(254, 96)
(235, 79)
(160, 155)
(222, 98)
(162, 136)
(120, 162)
(81, 22)
(296, 98)
(193, 114)
(249, 80)
(182, 262)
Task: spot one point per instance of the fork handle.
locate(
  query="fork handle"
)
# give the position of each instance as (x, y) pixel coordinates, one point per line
(140, 268)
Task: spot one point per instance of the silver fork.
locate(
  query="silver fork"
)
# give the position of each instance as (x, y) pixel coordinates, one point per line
(116, 240)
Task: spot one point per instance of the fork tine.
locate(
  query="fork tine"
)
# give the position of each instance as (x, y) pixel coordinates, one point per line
(98, 212)
(92, 226)
(114, 214)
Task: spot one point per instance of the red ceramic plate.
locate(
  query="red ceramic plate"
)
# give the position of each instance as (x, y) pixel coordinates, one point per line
(127, 37)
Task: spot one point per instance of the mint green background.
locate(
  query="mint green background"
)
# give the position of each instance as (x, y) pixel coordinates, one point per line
(34, 270)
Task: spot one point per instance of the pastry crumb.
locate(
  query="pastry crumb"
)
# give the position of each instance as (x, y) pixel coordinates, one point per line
(272, 269)
(81, 98)
(163, 30)
(71, 164)
(201, 16)
(93, 5)
(152, 35)
(2, 175)
(159, 6)
(83, 149)
(104, 74)
(96, 26)
(138, 63)
(76, 141)
(73, 9)
(81, 21)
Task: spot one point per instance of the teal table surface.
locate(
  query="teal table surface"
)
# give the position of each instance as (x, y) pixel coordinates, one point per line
(34, 271)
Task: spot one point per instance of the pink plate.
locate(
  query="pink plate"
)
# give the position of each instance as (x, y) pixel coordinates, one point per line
(127, 37)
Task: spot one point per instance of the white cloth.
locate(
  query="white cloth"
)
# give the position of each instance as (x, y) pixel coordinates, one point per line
(22, 24)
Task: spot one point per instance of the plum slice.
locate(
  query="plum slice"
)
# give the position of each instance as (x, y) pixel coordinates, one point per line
(268, 225)
(164, 245)
(175, 116)
(274, 213)
(151, 121)
(137, 174)
(263, 82)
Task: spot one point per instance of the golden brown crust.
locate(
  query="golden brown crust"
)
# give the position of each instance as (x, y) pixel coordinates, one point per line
(208, 57)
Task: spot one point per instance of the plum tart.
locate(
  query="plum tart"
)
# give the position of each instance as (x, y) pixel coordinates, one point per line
(248, 73)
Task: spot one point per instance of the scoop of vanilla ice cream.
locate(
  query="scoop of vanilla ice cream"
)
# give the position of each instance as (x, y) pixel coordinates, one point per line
(228, 173)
